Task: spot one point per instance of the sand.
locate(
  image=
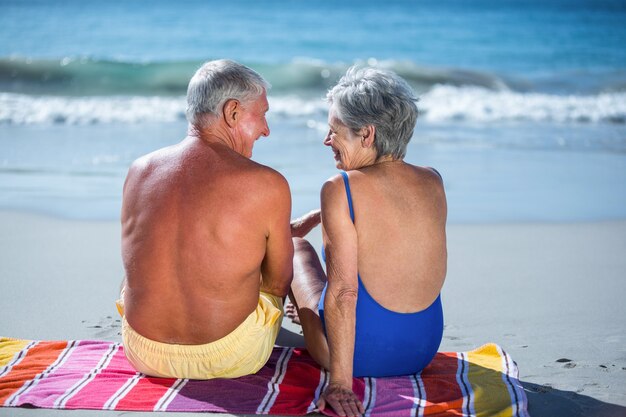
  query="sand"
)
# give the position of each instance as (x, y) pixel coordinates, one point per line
(552, 295)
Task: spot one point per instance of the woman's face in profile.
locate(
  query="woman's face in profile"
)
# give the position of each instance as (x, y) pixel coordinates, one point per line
(346, 144)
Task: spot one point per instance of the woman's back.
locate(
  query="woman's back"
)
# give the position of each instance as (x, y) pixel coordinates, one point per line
(401, 267)
(400, 215)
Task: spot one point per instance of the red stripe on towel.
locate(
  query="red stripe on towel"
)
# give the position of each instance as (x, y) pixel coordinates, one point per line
(146, 394)
(443, 394)
(298, 386)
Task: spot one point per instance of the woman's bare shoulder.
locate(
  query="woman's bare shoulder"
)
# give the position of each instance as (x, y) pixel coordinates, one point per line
(332, 186)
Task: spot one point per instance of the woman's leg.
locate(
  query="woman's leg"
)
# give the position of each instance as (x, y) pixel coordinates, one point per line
(306, 289)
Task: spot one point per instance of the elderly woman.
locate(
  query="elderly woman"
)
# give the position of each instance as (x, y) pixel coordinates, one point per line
(377, 310)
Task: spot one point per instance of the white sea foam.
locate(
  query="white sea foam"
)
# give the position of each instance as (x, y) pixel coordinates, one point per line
(441, 104)
(445, 103)
(28, 110)
(19, 109)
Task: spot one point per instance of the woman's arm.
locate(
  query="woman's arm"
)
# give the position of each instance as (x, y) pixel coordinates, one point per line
(301, 226)
(340, 242)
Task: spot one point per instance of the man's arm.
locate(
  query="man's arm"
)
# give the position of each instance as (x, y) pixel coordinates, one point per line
(277, 266)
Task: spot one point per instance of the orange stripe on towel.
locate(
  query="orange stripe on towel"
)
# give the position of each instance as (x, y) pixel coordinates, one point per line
(36, 360)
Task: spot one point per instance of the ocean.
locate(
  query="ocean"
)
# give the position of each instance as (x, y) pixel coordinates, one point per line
(522, 102)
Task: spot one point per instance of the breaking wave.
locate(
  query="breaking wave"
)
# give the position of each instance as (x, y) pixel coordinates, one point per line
(439, 105)
(89, 91)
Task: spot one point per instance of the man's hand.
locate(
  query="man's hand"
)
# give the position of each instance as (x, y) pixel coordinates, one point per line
(301, 226)
(342, 399)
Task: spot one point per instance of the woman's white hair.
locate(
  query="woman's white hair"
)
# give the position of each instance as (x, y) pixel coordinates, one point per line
(217, 82)
(371, 96)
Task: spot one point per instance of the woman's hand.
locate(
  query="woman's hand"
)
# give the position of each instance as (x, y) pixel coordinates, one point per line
(341, 399)
(303, 225)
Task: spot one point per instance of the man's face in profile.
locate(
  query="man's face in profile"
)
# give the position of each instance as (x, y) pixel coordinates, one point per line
(252, 123)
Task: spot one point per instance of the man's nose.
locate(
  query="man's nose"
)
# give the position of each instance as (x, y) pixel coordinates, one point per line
(327, 139)
(266, 131)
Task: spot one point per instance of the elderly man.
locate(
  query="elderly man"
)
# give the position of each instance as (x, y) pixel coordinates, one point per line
(206, 239)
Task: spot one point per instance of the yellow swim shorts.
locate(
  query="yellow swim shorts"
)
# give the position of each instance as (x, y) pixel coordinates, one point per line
(242, 352)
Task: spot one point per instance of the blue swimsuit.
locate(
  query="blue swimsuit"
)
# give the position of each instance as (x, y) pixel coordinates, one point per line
(389, 343)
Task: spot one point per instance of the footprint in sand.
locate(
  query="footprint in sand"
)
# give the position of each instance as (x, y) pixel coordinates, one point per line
(568, 363)
(106, 327)
(542, 389)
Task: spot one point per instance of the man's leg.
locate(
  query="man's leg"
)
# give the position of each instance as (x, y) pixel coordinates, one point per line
(306, 289)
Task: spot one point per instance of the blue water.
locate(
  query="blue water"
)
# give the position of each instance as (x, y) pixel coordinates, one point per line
(523, 103)
(521, 36)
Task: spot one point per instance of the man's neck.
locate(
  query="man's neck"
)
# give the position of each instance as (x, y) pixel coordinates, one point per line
(212, 134)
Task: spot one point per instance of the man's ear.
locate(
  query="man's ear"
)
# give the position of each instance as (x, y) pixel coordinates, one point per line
(368, 134)
(231, 111)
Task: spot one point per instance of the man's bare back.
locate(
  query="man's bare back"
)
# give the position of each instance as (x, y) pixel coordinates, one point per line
(196, 219)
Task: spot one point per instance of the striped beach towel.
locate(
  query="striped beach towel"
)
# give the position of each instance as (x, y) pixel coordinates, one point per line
(96, 375)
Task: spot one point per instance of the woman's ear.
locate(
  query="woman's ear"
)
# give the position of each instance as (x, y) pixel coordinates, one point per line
(231, 111)
(368, 134)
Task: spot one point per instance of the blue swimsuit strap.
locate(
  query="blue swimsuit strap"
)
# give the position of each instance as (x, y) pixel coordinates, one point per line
(346, 183)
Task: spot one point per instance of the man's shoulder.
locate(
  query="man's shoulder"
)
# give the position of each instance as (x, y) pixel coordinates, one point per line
(139, 168)
(144, 162)
(141, 164)
(271, 175)
(148, 168)
(263, 175)
(257, 188)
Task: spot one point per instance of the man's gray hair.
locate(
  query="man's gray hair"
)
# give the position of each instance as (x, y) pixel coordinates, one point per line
(215, 83)
(371, 96)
